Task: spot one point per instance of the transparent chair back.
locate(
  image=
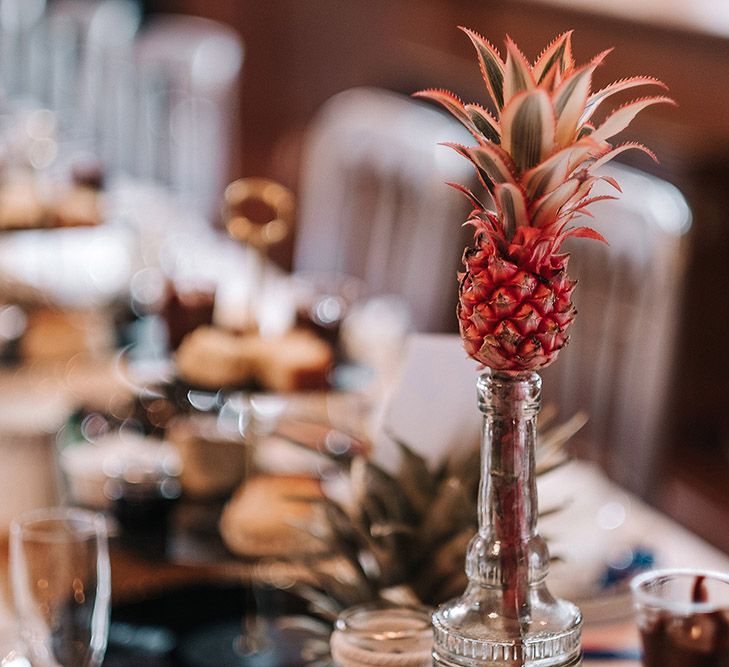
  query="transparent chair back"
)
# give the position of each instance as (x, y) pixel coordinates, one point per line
(619, 362)
(374, 204)
(188, 75)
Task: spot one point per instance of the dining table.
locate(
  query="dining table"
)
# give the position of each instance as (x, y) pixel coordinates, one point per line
(610, 634)
(606, 518)
(609, 639)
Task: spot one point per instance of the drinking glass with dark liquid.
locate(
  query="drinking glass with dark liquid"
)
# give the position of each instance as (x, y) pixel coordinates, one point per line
(683, 617)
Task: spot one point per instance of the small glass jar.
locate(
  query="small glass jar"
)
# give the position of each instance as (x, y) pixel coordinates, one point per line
(683, 617)
(383, 634)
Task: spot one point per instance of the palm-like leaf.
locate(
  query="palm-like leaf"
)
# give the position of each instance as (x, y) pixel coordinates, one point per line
(409, 529)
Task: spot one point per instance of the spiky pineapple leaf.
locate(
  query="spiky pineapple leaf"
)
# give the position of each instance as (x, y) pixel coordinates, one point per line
(492, 164)
(619, 119)
(475, 201)
(492, 67)
(579, 207)
(557, 53)
(517, 73)
(528, 128)
(416, 480)
(379, 493)
(553, 440)
(482, 128)
(585, 233)
(449, 510)
(546, 209)
(512, 207)
(613, 153)
(612, 182)
(601, 95)
(585, 131)
(563, 214)
(548, 174)
(569, 100)
(448, 100)
(484, 122)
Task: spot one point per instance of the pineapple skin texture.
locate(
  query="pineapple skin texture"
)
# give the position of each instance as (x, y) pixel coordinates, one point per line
(513, 318)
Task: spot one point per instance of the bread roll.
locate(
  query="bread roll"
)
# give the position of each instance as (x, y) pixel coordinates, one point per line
(266, 517)
(212, 358)
(295, 361)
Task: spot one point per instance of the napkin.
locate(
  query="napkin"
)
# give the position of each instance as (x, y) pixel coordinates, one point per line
(432, 408)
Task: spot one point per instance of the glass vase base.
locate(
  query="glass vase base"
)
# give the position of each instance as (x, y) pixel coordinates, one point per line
(455, 646)
(438, 661)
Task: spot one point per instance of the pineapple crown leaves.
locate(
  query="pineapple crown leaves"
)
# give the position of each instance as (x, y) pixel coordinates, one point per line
(536, 152)
(410, 527)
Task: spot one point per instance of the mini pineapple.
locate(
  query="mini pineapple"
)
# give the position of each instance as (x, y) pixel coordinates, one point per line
(536, 157)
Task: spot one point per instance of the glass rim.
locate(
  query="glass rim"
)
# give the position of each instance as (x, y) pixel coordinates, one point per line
(344, 621)
(27, 524)
(641, 596)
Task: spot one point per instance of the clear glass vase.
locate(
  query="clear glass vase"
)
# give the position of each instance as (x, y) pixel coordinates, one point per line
(506, 616)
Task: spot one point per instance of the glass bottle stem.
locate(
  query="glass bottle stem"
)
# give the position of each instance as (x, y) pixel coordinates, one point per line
(506, 616)
(507, 503)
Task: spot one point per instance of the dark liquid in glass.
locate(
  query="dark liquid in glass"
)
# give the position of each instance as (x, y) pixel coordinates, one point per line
(698, 640)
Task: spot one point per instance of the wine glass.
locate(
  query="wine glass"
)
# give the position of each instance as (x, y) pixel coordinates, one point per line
(61, 582)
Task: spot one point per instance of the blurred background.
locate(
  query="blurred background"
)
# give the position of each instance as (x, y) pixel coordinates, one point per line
(314, 50)
(167, 101)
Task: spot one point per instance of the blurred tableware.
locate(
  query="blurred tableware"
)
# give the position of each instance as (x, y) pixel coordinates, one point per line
(186, 308)
(258, 213)
(372, 337)
(601, 542)
(215, 460)
(89, 466)
(273, 516)
(61, 582)
(324, 299)
(30, 414)
(369, 203)
(383, 634)
(683, 617)
(187, 75)
(142, 500)
(19, 21)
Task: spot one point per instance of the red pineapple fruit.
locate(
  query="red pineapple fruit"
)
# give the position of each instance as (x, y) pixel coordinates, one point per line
(536, 157)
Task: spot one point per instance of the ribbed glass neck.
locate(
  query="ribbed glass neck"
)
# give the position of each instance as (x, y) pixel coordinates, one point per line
(510, 404)
(506, 616)
(509, 395)
(507, 499)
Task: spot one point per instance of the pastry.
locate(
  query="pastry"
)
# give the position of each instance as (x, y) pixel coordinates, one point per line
(295, 361)
(58, 335)
(21, 206)
(185, 310)
(80, 205)
(212, 358)
(268, 517)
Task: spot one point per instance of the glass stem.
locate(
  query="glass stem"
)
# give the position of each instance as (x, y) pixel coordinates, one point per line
(507, 502)
(254, 636)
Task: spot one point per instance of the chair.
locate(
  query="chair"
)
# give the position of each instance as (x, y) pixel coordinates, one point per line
(618, 364)
(373, 203)
(88, 54)
(19, 25)
(188, 73)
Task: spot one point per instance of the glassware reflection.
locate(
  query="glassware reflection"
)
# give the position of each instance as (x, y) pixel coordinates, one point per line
(61, 581)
